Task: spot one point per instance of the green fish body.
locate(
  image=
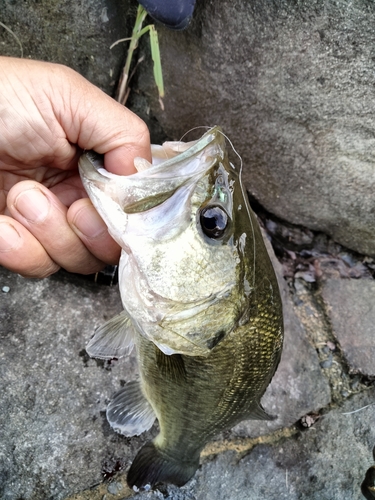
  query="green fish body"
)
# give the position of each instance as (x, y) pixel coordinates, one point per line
(201, 303)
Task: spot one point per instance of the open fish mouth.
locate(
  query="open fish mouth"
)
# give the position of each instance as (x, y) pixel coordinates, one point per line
(174, 164)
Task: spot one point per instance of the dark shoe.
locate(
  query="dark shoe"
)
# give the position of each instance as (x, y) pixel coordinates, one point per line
(175, 14)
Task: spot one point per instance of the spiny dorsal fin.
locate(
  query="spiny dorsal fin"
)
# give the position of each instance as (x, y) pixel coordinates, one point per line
(129, 413)
(114, 339)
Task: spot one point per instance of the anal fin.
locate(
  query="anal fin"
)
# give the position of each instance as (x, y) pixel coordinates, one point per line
(129, 413)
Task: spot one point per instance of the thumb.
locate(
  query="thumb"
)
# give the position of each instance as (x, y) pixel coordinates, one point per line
(98, 122)
(120, 160)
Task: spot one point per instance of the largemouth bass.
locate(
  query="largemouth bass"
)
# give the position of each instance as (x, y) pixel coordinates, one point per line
(201, 302)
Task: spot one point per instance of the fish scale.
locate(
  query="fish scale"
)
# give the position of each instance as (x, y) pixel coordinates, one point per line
(201, 303)
(223, 404)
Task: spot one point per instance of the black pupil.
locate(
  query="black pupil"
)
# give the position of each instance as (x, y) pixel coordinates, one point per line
(214, 220)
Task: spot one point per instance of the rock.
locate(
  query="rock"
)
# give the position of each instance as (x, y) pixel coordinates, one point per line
(77, 34)
(326, 462)
(351, 309)
(54, 437)
(114, 488)
(290, 83)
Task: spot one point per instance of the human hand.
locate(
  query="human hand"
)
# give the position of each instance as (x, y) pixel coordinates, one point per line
(48, 115)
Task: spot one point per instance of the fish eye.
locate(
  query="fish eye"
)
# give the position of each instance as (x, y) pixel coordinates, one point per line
(214, 221)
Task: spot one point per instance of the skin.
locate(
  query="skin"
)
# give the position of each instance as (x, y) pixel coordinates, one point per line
(48, 115)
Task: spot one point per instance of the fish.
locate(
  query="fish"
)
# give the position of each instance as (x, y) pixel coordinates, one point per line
(201, 302)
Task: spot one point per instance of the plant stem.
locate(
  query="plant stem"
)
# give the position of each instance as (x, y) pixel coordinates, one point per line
(123, 90)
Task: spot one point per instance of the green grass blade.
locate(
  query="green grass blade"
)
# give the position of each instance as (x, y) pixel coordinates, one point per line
(155, 54)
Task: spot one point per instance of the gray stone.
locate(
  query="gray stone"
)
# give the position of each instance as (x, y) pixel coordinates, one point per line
(291, 84)
(54, 438)
(114, 487)
(326, 462)
(351, 309)
(77, 34)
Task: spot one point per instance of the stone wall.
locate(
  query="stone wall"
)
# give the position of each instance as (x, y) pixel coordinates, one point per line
(292, 84)
(78, 34)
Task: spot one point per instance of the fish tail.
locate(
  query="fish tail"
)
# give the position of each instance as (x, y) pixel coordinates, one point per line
(151, 466)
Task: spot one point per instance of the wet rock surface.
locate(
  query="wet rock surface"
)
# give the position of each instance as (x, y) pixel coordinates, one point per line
(290, 83)
(55, 441)
(351, 309)
(53, 434)
(77, 34)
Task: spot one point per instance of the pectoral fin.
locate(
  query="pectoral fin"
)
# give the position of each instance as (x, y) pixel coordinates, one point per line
(129, 413)
(114, 339)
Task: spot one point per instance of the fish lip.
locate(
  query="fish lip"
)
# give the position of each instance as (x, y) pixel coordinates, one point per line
(93, 159)
(147, 188)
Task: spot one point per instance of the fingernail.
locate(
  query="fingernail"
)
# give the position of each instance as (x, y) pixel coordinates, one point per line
(9, 238)
(33, 205)
(89, 223)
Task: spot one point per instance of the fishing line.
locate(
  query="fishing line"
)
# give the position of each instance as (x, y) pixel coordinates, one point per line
(244, 193)
(188, 132)
(359, 409)
(245, 196)
(195, 128)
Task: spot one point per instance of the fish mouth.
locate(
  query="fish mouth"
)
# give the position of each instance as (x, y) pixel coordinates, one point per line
(154, 183)
(115, 197)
